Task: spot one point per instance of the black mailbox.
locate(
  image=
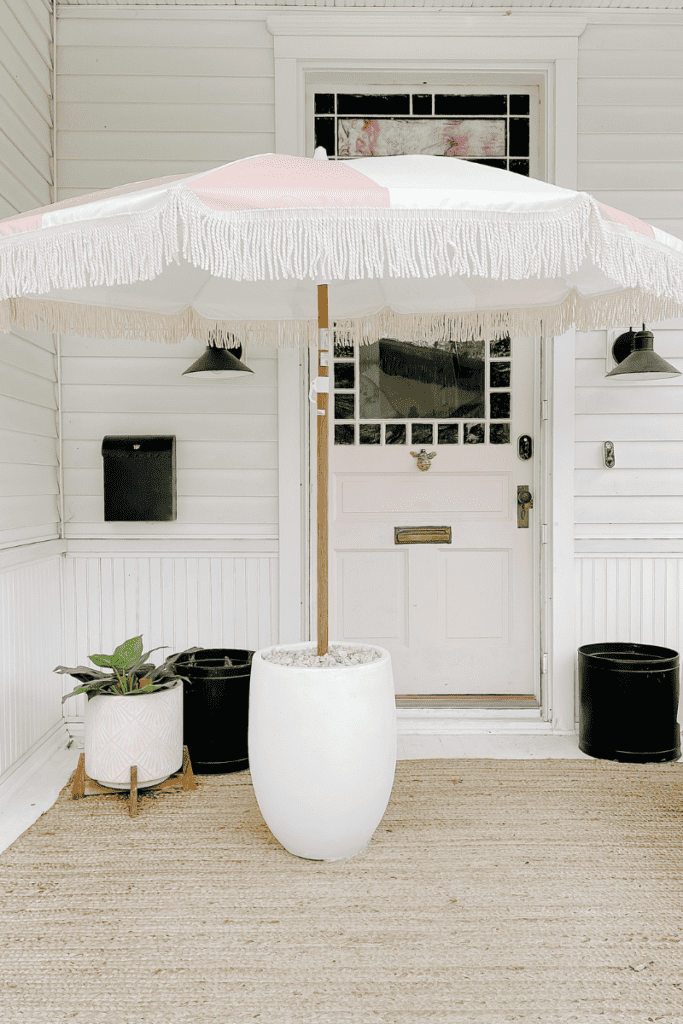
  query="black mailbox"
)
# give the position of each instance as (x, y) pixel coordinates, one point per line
(139, 479)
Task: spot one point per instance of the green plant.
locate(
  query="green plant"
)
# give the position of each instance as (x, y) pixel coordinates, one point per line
(131, 673)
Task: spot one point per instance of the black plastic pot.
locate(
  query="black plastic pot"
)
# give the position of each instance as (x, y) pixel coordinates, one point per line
(216, 709)
(628, 702)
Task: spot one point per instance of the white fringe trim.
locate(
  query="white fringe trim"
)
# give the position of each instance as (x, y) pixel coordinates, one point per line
(336, 244)
(632, 306)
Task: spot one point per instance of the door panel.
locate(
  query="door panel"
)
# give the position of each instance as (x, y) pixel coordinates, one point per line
(457, 617)
(372, 599)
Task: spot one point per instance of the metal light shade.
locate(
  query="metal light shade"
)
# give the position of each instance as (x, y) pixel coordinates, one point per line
(643, 363)
(218, 363)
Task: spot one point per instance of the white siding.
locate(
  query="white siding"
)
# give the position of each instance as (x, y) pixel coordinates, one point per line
(29, 506)
(25, 105)
(30, 648)
(641, 498)
(226, 437)
(146, 97)
(629, 519)
(631, 119)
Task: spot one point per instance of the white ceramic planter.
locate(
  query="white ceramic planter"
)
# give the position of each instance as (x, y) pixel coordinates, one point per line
(144, 730)
(322, 752)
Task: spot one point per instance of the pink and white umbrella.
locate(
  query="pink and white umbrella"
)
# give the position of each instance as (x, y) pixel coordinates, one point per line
(424, 248)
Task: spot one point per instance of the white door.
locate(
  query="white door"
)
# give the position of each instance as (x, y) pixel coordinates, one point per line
(456, 612)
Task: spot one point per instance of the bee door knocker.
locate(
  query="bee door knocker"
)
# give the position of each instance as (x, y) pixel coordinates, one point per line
(424, 461)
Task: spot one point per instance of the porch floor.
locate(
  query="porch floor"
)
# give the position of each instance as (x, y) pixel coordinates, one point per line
(40, 791)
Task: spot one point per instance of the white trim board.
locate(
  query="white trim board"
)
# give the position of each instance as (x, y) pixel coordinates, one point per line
(16, 776)
(428, 42)
(456, 721)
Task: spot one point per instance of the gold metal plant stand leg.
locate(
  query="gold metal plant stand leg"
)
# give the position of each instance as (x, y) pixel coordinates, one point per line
(83, 786)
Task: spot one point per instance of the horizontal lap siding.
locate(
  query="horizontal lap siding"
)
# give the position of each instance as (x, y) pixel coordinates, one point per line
(642, 496)
(25, 105)
(226, 436)
(630, 123)
(29, 498)
(630, 152)
(140, 98)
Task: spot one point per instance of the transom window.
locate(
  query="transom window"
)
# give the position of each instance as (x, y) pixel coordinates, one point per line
(491, 126)
(395, 392)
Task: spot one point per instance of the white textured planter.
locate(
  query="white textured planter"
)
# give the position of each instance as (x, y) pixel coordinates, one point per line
(322, 751)
(144, 730)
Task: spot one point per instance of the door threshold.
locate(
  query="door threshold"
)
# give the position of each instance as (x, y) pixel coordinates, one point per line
(488, 701)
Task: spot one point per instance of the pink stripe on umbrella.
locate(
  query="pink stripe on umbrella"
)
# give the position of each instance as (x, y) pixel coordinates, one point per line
(632, 223)
(274, 181)
(27, 222)
(33, 220)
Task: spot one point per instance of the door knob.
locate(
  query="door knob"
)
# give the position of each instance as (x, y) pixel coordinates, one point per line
(525, 501)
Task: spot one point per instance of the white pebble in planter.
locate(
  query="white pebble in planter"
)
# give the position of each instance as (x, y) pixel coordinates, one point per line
(322, 750)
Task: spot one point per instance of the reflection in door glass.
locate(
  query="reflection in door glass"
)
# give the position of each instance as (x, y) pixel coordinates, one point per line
(397, 381)
(403, 381)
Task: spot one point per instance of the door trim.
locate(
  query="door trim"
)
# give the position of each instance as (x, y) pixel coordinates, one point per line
(553, 54)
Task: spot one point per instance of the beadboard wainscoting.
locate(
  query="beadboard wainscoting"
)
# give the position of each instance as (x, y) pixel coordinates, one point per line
(30, 647)
(172, 599)
(629, 597)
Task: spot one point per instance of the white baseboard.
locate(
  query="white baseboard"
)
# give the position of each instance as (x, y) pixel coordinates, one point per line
(16, 776)
(459, 721)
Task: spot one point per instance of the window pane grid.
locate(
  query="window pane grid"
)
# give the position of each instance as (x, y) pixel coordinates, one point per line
(390, 370)
(483, 127)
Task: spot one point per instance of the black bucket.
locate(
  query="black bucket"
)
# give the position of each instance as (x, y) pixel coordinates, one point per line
(216, 709)
(628, 702)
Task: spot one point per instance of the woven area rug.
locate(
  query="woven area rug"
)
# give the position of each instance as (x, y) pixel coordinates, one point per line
(493, 890)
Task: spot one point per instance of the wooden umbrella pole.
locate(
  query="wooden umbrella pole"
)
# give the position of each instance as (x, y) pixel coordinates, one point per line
(323, 464)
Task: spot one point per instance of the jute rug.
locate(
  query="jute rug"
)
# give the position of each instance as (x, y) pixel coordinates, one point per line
(493, 890)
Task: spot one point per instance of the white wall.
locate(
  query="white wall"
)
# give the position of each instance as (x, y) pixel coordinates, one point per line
(141, 96)
(25, 105)
(630, 127)
(150, 94)
(162, 92)
(209, 578)
(629, 519)
(30, 589)
(226, 436)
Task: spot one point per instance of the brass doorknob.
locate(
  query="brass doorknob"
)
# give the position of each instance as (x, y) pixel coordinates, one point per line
(523, 497)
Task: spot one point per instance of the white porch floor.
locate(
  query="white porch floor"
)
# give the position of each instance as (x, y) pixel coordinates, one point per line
(41, 789)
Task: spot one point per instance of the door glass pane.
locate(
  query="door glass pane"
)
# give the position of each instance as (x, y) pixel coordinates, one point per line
(449, 396)
(403, 381)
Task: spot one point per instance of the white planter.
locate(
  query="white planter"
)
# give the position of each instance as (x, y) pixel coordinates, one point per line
(144, 730)
(322, 752)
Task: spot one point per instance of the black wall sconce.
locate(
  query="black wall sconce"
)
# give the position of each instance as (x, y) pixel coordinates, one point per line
(218, 362)
(633, 351)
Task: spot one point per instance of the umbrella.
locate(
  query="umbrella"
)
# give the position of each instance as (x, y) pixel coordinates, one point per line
(419, 248)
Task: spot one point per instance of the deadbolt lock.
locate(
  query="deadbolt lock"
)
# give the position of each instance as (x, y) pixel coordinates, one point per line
(525, 501)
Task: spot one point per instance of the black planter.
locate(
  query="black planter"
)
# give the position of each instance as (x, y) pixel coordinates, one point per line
(216, 709)
(628, 702)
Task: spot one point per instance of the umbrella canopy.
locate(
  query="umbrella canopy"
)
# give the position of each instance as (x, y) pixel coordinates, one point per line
(425, 248)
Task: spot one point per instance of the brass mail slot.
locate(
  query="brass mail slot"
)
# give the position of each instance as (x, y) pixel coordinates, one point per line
(422, 535)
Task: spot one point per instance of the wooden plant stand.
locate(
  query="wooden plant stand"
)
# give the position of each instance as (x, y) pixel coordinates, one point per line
(83, 785)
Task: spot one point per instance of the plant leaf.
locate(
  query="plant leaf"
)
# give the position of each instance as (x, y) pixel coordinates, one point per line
(145, 656)
(82, 672)
(106, 660)
(127, 653)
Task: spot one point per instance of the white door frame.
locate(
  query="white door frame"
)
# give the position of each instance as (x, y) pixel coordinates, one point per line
(545, 45)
